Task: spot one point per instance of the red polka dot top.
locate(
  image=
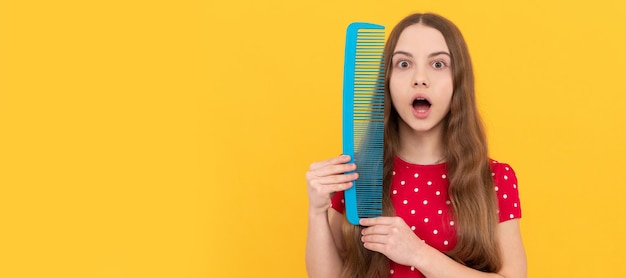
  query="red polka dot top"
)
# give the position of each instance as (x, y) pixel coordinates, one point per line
(420, 196)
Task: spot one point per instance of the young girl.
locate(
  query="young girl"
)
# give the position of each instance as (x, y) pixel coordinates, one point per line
(449, 210)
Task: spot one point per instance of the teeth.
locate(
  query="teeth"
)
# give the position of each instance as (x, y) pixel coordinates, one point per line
(421, 99)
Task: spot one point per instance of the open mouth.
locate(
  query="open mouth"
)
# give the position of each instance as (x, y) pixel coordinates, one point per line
(421, 104)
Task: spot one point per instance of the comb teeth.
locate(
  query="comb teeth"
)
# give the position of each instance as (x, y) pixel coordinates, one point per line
(363, 118)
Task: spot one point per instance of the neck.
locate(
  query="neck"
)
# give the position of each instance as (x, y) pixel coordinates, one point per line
(420, 147)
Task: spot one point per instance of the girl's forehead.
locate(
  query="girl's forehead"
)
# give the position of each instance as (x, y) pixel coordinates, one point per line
(421, 38)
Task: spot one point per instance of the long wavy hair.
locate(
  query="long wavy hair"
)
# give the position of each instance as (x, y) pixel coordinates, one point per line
(471, 190)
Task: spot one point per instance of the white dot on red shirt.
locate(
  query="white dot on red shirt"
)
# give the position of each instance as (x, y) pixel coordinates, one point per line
(447, 202)
(435, 232)
(342, 201)
(514, 185)
(413, 228)
(412, 211)
(426, 220)
(439, 211)
(445, 242)
(425, 202)
(497, 188)
(443, 176)
(402, 182)
(405, 202)
(514, 204)
(412, 268)
(505, 196)
(505, 177)
(416, 189)
(438, 193)
(395, 191)
(393, 173)
(429, 182)
(493, 174)
(507, 168)
(416, 175)
(512, 216)
(451, 223)
(391, 271)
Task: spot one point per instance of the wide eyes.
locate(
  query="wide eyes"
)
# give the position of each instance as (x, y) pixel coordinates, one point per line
(404, 64)
(439, 64)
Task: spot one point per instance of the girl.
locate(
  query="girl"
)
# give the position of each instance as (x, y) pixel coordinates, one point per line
(449, 211)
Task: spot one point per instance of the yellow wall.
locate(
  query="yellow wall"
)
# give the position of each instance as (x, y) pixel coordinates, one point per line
(171, 138)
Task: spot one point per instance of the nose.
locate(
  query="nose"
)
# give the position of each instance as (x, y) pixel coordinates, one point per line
(420, 79)
(420, 83)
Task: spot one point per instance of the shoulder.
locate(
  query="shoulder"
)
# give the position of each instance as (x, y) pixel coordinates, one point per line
(502, 172)
(506, 188)
(500, 166)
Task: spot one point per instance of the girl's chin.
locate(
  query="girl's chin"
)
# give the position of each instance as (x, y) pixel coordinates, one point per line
(420, 125)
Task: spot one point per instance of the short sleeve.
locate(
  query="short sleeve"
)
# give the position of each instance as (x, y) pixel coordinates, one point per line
(337, 202)
(506, 188)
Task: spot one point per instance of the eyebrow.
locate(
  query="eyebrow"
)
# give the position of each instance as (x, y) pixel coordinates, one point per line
(429, 55)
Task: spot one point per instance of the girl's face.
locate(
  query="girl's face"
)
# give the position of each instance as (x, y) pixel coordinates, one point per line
(421, 78)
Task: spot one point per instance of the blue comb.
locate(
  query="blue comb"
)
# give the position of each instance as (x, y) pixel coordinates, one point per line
(363, 118)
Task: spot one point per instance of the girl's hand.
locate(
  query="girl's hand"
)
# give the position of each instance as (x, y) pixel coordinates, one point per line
(392, 237)
(326, 177)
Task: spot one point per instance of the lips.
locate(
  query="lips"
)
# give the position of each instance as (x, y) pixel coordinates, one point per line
(421, 107)
(421, 104)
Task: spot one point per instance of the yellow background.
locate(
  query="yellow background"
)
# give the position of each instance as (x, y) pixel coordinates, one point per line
(171, 138)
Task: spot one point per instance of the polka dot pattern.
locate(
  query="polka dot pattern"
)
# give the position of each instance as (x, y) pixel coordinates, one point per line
(420, 196)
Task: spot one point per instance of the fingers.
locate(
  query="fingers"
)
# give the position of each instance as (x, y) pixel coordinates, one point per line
(331, 171)
(332, 166)
(377, 221)
(335, 160)
(338, 187)
(326, 177)
(377, 247)
(331, 184)
(387, 235)
(376, 230)
(334, 179)
(316, 178)
(327, 190)
(334, 170)
(381, 226)
(382, 239)
(377, 242)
